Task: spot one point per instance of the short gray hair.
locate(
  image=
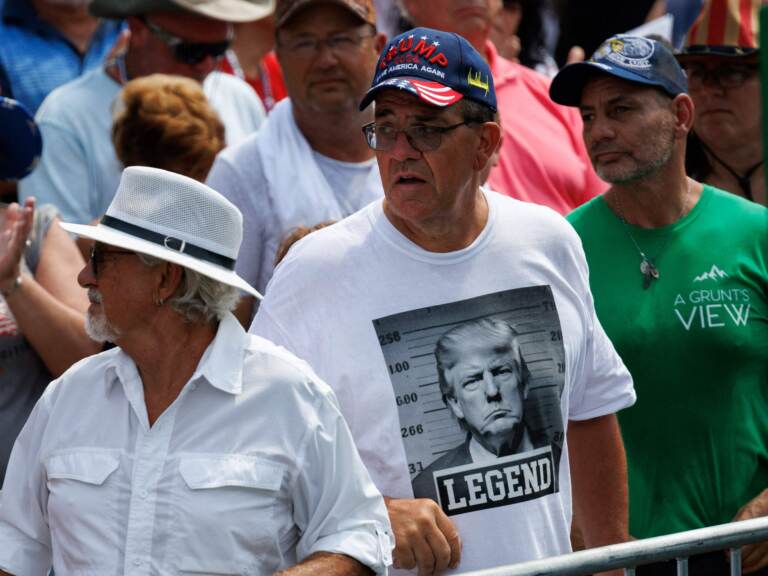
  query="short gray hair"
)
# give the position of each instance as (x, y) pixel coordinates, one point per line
(475, 112)
(494, 334)
(199, 298)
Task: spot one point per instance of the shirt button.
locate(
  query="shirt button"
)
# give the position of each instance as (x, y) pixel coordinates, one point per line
(193, 386)
(137, 562)
(143, 493)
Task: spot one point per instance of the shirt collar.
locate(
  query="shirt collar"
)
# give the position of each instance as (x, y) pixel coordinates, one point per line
(221, 364)
(502, 69)
(479, 454)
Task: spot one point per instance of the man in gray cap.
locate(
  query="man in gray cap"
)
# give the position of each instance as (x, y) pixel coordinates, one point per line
(310, 163)
(79, 172)
(191, 447)
(679, 275)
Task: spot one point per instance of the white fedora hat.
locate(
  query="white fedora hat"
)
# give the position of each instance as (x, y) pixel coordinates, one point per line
(174, 218)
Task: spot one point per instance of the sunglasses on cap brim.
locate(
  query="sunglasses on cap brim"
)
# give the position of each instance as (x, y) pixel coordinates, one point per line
(190, 52)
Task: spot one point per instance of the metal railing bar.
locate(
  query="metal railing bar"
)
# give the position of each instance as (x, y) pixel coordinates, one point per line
(735, 561)
(637, 552)
(682, 566)
(629, 571)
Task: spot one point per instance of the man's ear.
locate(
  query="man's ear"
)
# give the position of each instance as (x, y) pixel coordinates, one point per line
(453, 404)
(169, 280)
(380, 42)
(684, 110)
(138, 31)
(490, 140)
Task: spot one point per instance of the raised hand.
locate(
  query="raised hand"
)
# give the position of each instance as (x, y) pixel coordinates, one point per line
(16, 226)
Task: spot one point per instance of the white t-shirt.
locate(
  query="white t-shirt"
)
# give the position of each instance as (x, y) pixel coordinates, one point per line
(279, 182)
(365, 307)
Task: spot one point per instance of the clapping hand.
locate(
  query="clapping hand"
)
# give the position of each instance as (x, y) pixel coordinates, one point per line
(13, 240)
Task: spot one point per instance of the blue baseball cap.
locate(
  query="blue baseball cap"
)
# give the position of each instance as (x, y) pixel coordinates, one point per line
(440, 68)
(632, 58)
(20, 141)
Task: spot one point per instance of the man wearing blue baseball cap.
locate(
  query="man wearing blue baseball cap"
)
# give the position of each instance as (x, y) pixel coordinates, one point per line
(366, 300)
(679, 275)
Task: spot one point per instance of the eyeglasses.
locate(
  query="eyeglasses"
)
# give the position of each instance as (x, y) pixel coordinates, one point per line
(99, 255)
(340, 44)
(721, 76)
(422, 137)
(191, 52)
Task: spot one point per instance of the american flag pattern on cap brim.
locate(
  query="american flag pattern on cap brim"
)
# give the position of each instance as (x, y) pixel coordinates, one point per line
(430, 92)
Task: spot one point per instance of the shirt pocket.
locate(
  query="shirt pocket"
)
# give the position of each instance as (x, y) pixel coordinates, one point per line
(225, 514)
(83, 496)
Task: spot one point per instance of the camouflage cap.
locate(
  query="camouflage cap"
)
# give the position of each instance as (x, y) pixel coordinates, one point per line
(287, 9)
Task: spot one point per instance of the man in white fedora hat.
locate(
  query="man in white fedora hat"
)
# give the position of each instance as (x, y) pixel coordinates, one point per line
(191, 447)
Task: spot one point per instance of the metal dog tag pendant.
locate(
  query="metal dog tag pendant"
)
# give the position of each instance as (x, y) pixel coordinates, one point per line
(649, 271)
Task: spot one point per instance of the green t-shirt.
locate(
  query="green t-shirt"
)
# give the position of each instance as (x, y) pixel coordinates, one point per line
(696, 344)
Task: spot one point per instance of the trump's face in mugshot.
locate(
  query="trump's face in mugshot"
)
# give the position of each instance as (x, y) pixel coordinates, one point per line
(487, 392)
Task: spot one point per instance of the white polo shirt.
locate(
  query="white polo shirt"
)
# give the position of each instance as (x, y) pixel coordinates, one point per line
(250, 470)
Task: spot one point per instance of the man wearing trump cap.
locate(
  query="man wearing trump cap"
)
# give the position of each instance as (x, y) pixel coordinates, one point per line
(191, 447)
(365, 300)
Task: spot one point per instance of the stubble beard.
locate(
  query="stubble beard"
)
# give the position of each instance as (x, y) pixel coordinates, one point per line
(661, 152)
(97, 326)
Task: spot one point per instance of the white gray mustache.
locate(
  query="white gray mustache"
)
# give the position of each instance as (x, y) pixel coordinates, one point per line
(94, 296)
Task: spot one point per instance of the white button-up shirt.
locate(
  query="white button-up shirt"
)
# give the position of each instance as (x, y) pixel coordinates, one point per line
(250, 470)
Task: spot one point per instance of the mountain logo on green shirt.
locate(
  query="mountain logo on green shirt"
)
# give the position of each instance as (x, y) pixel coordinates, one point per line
(714, 273)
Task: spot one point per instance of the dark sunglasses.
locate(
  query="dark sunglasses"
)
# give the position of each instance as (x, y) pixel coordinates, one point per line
(99, 255)
(725, 76)
(191, 52)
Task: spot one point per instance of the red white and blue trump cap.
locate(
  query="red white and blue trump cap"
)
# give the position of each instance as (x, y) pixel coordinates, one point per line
(440, 68)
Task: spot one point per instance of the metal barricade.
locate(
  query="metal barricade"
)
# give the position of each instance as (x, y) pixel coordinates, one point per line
(630, 554)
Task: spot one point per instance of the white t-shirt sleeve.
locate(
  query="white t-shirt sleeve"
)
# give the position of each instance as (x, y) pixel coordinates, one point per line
(602, 384)
(25, 540)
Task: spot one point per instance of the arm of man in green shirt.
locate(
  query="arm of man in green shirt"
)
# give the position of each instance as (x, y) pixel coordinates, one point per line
(754, 556)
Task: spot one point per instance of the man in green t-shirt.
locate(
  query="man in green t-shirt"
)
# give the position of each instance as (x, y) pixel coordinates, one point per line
(680, 280)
